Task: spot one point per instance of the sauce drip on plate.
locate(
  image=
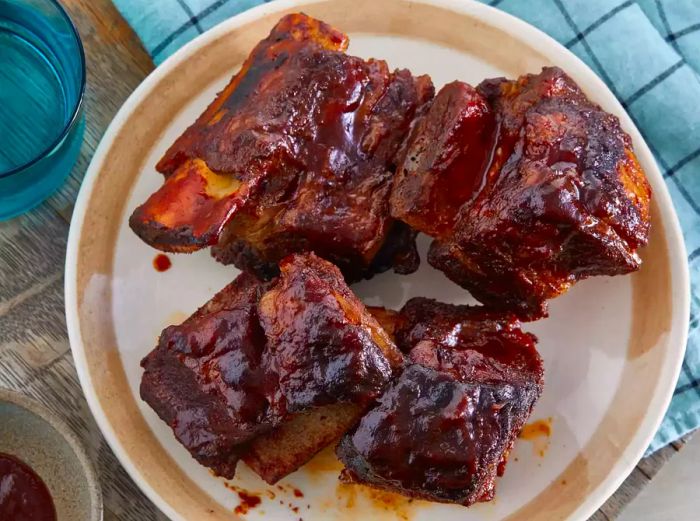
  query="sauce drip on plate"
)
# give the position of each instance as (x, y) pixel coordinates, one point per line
(161, 262)
(23, 494)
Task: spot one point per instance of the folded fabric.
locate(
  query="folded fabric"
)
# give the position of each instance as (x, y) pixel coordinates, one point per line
(647, 51)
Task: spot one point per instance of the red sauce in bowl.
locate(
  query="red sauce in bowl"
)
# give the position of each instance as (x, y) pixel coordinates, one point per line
(23, 495)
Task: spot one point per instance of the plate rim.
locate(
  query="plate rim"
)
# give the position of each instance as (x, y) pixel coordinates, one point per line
(489, 15)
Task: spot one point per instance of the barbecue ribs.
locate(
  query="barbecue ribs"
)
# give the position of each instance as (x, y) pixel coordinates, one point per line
(296, 154)
(204, 377)
(526, 186)
(270, 372)
(444, 428)
(327, 359)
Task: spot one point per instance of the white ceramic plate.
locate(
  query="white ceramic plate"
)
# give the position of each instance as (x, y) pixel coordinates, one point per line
(612, 346)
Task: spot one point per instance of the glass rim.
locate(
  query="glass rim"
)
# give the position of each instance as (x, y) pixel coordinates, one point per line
(76, 110)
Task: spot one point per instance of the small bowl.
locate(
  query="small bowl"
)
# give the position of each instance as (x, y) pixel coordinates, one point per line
(43, 441)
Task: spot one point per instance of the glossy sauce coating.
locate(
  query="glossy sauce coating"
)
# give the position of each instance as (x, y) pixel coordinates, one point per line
(335, 200)
(23, 494)
(527, 187)
(430, 436)
(205, 182)
(204, 378)
(468, 342)
(445, 160)
(261, 363)
(444, 429)
(564, 199)
(322, 344)
(296, 154)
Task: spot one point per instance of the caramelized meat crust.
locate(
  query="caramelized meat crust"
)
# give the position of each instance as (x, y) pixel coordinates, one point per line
(327, 359)
(337, 204)
(323, 346)
(204, 378)
(433, 437)
(454, 339)
(296, 154)
(443, 430)
(446, 153)
(561, 196)
(270, 372)
(240, 141)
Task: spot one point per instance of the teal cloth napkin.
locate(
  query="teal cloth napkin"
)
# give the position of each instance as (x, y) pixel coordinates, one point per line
(647, 51)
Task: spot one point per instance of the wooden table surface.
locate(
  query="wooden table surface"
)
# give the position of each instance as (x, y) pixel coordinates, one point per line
(35, 355)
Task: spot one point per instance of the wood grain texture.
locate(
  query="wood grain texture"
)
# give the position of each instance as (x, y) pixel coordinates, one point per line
(34, 352)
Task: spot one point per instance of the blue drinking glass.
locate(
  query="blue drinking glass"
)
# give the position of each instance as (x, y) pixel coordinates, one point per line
(42, 81)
